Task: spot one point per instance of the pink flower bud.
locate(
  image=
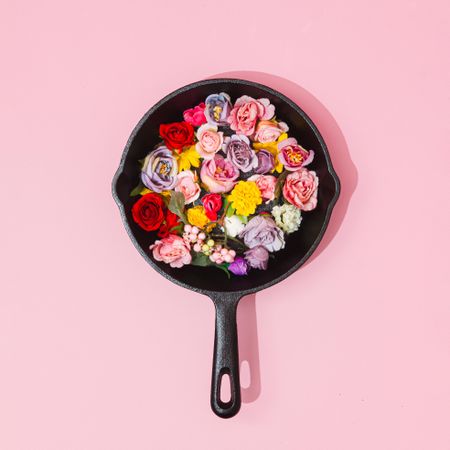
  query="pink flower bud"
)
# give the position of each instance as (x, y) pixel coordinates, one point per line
(228, 258)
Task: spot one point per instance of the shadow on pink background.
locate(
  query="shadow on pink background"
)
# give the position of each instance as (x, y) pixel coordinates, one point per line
(348, 175)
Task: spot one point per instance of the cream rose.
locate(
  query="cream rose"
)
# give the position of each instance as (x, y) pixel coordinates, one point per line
(187, 184)
(209, 141)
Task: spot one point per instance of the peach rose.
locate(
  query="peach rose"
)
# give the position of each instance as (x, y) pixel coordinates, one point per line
(266, 184)
(172, 250)
(268, 131)
(187, 184)
(300, 189)
(209, 141)
(247, 111)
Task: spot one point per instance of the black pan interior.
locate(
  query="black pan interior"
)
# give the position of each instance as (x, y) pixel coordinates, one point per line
(299, 245)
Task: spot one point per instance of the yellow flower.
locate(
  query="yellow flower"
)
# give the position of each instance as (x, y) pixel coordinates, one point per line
(245, 197)
(197, 216)
(187, 158)
(272, 147)
(145, 190)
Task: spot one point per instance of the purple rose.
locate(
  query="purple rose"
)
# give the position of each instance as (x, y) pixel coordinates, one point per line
(217, 109)
(257, 257)
(265, 162)
(292, 155)
(262, 230)
(238, 266)
(239, 152)
(159, 172)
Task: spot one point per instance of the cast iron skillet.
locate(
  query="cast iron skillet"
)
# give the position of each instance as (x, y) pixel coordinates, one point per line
(209, 281)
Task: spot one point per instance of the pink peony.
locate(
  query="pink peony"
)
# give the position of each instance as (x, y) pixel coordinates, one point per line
(266, 184)
(172, 250)
(195, 116)
(247, 111)
(268, 131)
(209, 141)
(218, 174)
(187, 184)
(300, 189)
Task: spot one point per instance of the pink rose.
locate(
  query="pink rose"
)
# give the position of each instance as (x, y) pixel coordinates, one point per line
(300, 189)
(195, 116)
(172, 250)
(266, 184)
(187, 184)
(218, 174)
(268, 131)
(247, 111)
(209, 141)
(292, 155)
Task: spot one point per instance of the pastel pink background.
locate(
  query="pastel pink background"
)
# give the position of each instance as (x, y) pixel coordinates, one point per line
(99, 352)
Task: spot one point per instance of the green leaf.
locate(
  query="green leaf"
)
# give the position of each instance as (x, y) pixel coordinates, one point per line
(224, 268)
(230, 210)
(200, 259)
(176, 205)
(137, 190)
(177, 228)
(243, 219)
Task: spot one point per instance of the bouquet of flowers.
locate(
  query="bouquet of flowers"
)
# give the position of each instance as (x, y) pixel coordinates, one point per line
(225, 186)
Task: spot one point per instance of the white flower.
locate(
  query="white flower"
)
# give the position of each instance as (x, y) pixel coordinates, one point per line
(287, 217)
(233, 226)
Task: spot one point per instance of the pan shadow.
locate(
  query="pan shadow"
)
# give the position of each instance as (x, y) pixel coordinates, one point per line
(348, 175)
(248, 349)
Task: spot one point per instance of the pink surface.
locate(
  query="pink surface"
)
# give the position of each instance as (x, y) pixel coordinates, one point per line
(97, 351)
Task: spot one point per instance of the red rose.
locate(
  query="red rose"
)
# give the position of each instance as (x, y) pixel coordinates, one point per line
(171, 221)
(177, 135)
(148, 211)
(212, 203)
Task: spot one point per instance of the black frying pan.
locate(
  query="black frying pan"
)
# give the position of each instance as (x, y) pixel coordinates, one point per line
(207, 280)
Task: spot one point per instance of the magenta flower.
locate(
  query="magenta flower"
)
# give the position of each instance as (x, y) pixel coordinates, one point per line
(195, 116)
(238, 266)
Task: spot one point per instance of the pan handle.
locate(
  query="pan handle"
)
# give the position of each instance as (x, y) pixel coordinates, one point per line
(226, 357)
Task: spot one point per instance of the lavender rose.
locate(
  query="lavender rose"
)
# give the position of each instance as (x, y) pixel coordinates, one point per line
(238, 151)
(266, 162)
(257, 257)
(263, 231)
(238, 266)
(159, 172)
(218, 107)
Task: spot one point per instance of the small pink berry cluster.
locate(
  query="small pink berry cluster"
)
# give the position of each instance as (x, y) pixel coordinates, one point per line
(221, 254)
(193, 235)
(216, 252)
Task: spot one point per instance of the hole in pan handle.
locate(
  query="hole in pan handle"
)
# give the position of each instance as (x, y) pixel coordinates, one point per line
(226, 357)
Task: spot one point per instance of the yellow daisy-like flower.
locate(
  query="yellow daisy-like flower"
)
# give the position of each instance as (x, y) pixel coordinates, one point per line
(145, 190)
(187, 158)
(197, 216)
(272, 147)
(245, 197)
